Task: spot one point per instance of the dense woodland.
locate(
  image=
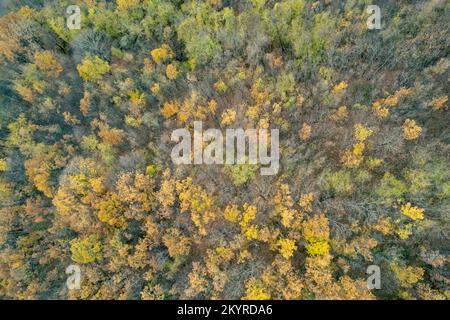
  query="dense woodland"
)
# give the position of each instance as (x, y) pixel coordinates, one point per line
(86, 176)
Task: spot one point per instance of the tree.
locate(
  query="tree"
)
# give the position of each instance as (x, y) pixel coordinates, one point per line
(86, 250)
(93, 69)
(47, 63)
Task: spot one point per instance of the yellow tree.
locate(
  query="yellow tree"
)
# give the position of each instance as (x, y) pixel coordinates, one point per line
(93, 69)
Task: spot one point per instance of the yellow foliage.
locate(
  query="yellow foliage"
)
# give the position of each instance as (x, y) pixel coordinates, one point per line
(169, 109)
(46, 61)
(86, 250)
(98, 184)
(404, 231)
(316, 231)
(176, 243)
(360, 245)
(411, 130)
(243, 256)
(166, 194)
(251, 232)
(393, 100)
(70, 118)
(92, 70)
(228, 117)
(255, 290)
(84, 103)
(287, 215)
(232, 213)
(379, 110)
(373, 163)
(197, 280)
(220, 86)
(25, 92)
(109, 210)
(284, 205)
(148, 66)
(136, 189)
(305, 132)
(339, 87)
(26, 12)
(414, 213)
(439, 102)
(264, 123)
(3, 165)
(340, 114)
(384, 225)
(252, 112)
(171, 71)
(155, 88)
(352, 158)
(185, 110)
(212, 106)
(137, 98)
(390, 101)
(306, 201)
(407, 276)
(125, 5)
(362, 132)
(195, 199)
(111, 136)
(64, 202)
(161, 54)
(318, 272)
(286, 247)
(202, 112)
(225, 254)
(317, 248)
(248, 215)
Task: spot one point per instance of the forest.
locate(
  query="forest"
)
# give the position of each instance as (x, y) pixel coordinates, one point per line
(86, 175)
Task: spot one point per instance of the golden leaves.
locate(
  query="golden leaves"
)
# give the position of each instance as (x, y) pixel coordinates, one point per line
(232, 213)
(46, 61)
(84, 103)
(353, 157)
(286, 247)
(255, 290)
(161, 54)
(176, 243)
(228, 117)
(171, 71)
(381, 107)
(362, 132)
(92, 70)
(316, 231)
(407, 276)
(337, 89)
(169, 109)
(305, 132)
(414, 213)
(195, 199)
(411, 130)
(439, 102)
(340, 114)
(305, 201)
